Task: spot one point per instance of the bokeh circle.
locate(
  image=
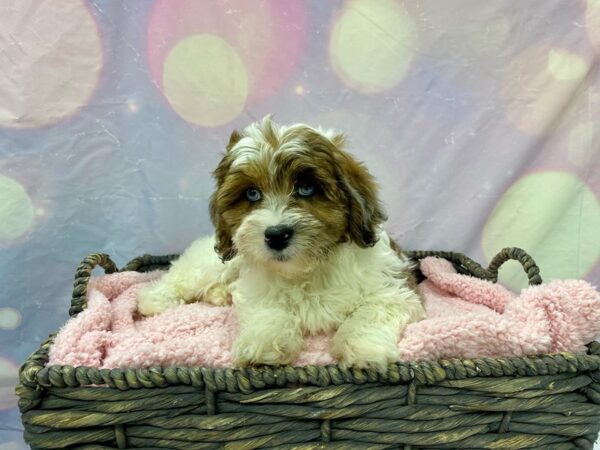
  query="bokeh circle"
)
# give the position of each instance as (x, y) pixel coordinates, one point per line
(27, 197)
(245, 49)
(553, 215)
(16, 210)
(208, 95)
(10, 318)
(372, 44)
(50, 65)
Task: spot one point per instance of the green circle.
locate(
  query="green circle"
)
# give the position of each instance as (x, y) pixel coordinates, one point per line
(205, 80)
(372, 44)
(16, 210)
(10, 318)
(553, 216)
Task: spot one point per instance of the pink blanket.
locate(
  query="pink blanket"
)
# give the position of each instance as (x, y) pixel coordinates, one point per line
(466, 318)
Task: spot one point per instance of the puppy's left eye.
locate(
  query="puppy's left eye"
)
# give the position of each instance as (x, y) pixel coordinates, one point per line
(253, 194)
(306, 189)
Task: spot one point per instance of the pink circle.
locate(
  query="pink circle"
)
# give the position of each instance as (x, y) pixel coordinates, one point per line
(269, 36)
(51, 68)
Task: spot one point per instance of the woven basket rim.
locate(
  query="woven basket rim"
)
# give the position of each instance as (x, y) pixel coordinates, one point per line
(251, 378)
(34, 374)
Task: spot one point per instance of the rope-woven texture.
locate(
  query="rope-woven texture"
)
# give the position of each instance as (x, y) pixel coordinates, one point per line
(471, 403)
(467, 266)
(505, 411)
(82, 277)
(83, 273)
(246, 380)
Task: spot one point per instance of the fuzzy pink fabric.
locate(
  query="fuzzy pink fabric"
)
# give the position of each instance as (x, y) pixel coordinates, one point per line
(466, 318)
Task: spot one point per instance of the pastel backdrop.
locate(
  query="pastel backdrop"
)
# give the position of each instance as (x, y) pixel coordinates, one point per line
(479, 119)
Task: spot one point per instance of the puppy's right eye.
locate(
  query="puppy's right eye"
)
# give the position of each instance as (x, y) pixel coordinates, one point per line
(253, 194)
(306, 189)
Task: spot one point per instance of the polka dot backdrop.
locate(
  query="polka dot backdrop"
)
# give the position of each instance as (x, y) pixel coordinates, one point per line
(482, 132)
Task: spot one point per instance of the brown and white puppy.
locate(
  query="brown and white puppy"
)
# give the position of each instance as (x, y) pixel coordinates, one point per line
(299, 249)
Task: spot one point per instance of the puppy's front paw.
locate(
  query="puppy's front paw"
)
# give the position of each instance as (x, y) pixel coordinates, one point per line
(156, 298)
(371, 350)
(252, 348)
(218, 295)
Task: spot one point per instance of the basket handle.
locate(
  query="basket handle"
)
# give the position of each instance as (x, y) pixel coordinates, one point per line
(467, 266)
(82, 278)
(520, 255)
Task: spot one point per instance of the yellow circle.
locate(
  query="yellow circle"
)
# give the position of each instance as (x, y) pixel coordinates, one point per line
(50, 60)
(564, 65)
(538, 83)
(205, 80)
(16, 210)
(555, 217)
(10, 318)
(8, 379)
(371, 44)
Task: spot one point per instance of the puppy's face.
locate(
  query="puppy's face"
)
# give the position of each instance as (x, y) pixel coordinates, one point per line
(286, 196)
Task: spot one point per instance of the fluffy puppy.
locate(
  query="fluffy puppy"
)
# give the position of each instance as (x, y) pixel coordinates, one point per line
(299, 250)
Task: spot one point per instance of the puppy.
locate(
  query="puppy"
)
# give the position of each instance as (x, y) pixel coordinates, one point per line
(299, 249)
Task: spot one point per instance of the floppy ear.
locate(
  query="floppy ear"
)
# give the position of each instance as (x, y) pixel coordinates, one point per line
(365, 212)
(224, 242)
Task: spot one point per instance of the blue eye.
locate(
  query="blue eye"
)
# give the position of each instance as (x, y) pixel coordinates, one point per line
(253, 194)
(306, 189)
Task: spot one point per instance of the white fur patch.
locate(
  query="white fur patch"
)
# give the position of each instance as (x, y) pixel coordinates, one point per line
(253, 147)
(245, 151)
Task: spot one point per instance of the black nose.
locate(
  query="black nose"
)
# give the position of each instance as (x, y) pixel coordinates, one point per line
(278, 237)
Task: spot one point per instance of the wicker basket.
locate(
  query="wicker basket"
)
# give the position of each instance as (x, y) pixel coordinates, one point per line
(544, 402)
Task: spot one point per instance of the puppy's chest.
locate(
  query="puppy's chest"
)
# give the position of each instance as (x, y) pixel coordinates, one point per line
(321, 312)
(319, 308)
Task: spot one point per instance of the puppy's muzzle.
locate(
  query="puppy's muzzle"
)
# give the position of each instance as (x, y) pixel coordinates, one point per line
(278, 237)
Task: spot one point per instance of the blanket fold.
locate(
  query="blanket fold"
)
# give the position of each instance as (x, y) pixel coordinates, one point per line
(466, 318)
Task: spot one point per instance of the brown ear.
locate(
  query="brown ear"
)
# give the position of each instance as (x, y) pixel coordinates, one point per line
(223, 239)
(233, 139)
(365, 212)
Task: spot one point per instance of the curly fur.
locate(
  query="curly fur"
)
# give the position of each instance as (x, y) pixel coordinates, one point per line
(340, 272)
